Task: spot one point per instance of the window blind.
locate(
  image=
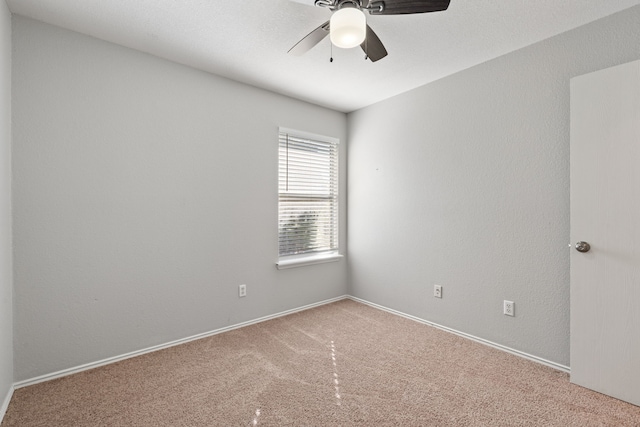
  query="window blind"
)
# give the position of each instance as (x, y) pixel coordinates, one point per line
(308, 195)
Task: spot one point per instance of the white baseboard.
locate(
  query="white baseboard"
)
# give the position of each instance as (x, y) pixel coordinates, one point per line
(528, 356)
(109, 360)
(5, 403)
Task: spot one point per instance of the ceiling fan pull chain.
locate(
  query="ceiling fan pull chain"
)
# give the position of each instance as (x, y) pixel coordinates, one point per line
(366, 48)
(331, 57)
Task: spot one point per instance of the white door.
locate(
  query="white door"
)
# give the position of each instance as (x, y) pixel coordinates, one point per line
(605, 212)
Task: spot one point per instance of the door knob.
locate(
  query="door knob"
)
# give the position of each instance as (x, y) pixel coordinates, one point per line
(583, 247)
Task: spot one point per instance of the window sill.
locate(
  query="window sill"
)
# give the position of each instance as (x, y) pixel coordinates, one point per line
(301, 261)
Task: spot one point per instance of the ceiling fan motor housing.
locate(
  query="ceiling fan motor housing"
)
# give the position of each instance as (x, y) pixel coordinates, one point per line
(375, 7)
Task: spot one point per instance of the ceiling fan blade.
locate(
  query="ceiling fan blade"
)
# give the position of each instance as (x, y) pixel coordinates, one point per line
(373, 47)
(310, 40)
(403, 7)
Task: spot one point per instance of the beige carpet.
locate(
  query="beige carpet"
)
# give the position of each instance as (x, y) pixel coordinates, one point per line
(343, 364)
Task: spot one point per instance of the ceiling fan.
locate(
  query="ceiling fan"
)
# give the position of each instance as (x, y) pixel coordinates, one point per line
(348, 27)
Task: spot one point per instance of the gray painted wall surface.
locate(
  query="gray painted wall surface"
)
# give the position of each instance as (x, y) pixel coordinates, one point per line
(465, 183)
(145, 192)
(6, 274)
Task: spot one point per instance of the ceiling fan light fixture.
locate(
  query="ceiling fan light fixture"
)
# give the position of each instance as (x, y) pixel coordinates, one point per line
(348, 27)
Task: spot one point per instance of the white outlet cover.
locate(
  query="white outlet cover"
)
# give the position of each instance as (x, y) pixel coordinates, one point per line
(509, 308)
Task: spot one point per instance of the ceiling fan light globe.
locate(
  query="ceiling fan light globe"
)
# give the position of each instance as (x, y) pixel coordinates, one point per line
(348, 27)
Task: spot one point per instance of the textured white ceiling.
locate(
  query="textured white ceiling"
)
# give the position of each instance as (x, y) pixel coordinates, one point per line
(248, 40)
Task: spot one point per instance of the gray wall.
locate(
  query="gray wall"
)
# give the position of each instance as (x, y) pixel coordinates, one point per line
(6, 280)
(465, 183)
(145, 192)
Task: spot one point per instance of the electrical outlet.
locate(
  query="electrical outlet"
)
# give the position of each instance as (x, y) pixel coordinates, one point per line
(437, 291)
(509, 308)
(242, 291)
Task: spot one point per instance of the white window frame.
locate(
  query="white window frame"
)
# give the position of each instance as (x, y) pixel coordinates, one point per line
(299, 260)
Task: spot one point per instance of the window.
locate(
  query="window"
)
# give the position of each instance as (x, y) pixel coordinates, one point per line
(307, 199)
